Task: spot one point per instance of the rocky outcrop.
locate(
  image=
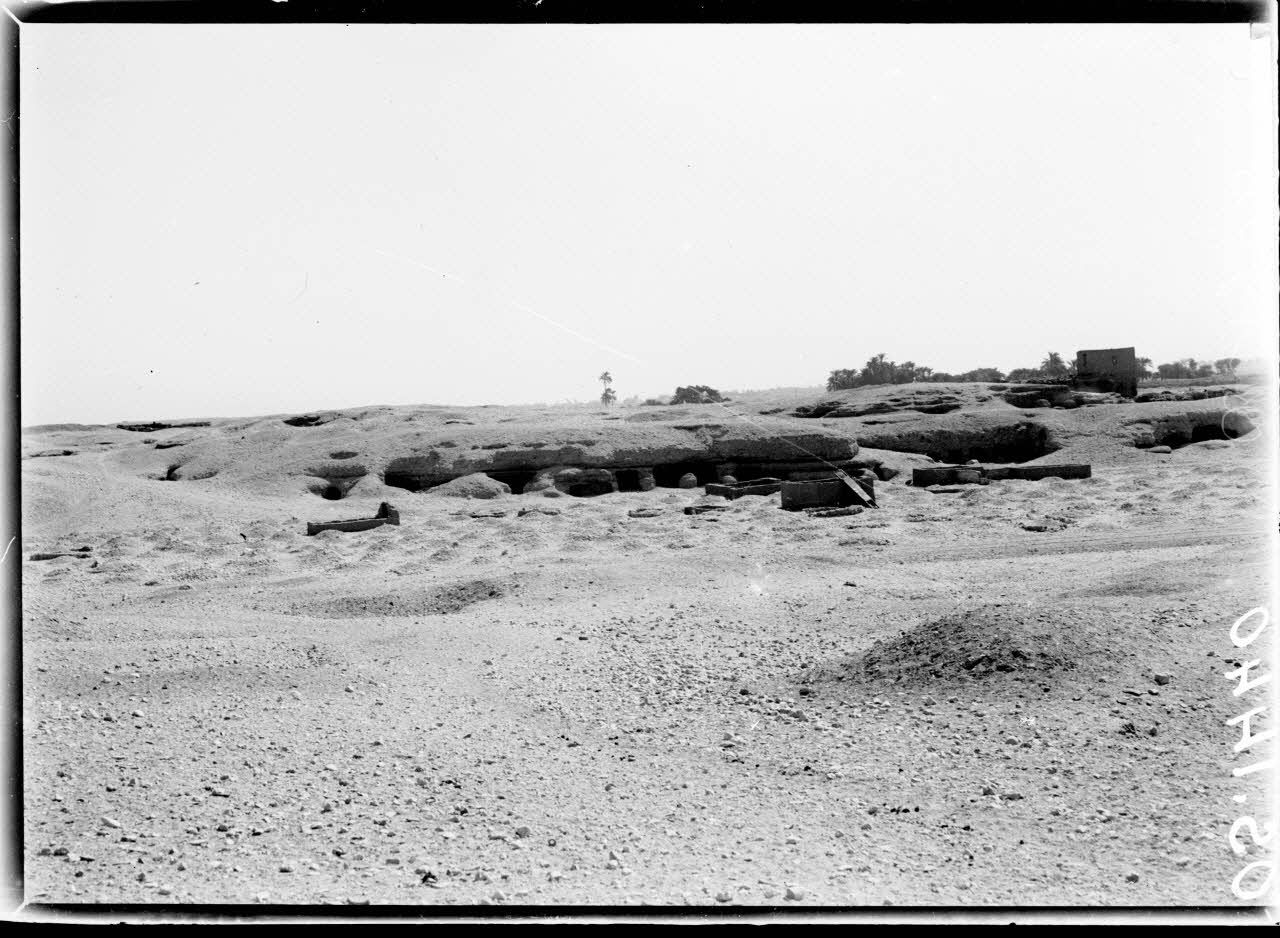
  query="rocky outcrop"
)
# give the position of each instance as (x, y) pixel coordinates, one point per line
(955, 441)
(656, 450)
(311, 420)
(1194, 426)
(153, 427)
(920, 401)
(1058, 396)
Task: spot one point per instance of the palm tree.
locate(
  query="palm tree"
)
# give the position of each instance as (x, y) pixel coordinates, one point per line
(609, 396)
(1054, 366)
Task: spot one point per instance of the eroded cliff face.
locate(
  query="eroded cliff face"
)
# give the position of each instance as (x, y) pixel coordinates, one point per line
(662, 451)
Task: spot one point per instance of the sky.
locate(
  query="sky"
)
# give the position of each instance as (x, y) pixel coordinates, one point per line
(223, 221)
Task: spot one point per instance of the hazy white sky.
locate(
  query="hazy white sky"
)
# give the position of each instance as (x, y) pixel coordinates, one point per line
(241, 220)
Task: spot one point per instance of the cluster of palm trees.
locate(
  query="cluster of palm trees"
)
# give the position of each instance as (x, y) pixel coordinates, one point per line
(880, 370)
(609, 395)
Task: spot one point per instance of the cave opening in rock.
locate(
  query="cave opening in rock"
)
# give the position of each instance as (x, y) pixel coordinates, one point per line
(333, 489)
(516, 479)
(668, 476)
(628, 479)
(404, 480)
(589, 488)
(1227, 426)
(1212, 431)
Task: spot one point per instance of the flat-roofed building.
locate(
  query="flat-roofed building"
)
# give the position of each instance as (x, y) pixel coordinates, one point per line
(1107, 369)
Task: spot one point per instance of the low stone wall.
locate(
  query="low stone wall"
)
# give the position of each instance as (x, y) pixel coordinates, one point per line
(386, 515)
(981, 475)
(824, 493)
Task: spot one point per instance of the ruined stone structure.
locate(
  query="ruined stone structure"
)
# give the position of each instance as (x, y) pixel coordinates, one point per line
(981, 475)
(1107, 369)
(830, 492)
(386, 515)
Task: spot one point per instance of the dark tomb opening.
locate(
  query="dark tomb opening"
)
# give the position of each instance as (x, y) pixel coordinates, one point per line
(628, 479)
(668, 476)
(516, 479)
(1212, 431)
(591, 487)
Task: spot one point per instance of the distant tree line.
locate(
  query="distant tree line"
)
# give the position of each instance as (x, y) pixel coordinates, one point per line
(879, 370)
(1189, 368)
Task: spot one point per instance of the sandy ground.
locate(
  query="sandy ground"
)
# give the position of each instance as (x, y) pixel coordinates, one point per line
(749, 707)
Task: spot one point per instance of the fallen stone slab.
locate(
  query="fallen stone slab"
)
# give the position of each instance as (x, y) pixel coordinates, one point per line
(948, 475)
(981, 475)
(80, 553)
(386, 515)
(834, 512)
(1045, 525)
(1035, 473)
(644, 512)
(702, 509)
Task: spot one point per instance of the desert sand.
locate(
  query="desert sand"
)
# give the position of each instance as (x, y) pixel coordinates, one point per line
(1008, 694)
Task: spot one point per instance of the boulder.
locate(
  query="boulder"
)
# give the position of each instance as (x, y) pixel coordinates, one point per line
(476, 485)
(572, 480)
(688, 481)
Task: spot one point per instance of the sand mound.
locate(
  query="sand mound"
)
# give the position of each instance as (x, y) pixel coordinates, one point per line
(974, 644)
(476, 485)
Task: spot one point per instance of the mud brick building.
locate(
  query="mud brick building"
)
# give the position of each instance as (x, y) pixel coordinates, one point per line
(1107, 369)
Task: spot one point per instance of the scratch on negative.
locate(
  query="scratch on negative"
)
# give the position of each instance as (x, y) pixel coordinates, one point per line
(6, 549)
